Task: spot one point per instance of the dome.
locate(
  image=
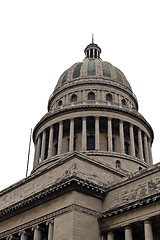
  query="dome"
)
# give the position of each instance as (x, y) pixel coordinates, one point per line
(93, 67)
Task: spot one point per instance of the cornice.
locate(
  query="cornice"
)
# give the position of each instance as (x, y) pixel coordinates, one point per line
(69, 183)
(130, 206)
(132, 177)
(49, 217)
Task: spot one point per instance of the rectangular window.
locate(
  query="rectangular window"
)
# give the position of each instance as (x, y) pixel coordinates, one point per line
(90, 142)
(74, 144)
(56, 148)
(126, 147)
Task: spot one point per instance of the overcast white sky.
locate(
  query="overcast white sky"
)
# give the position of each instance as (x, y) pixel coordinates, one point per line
(40, 39)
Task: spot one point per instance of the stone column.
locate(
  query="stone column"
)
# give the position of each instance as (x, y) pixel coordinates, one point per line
(150, 153)
(37, 151)
(148, 230)
(43, 145)
(146, 152)
(103, 236)
(23, 235)
(128, 233)
(140, 145)
(121, 130)
(60, 136)
(37, 233)
(50, 230)
(67, 99)
(71, 138)
(132, 143)
(110, 144)
(97, 133)
(98, 95)
(50, 146)
(110, 236)
(84, 133)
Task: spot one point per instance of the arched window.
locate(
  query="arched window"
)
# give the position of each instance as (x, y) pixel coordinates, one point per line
(91, 96)
(74, 98)
(140, 168)
(60, 103)
(109, 97)
(118, 164)
(123, 102)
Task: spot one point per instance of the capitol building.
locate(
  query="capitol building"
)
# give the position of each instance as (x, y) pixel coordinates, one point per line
(93, 176)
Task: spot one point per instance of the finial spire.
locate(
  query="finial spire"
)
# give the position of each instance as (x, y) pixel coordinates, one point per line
(92, 38)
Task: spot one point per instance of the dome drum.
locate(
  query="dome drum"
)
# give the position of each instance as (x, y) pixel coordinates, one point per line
(106, 136)
(119, 98)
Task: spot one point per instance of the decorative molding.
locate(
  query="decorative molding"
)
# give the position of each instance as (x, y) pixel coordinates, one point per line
(130, 206)
(49, 218)
(66, 181)
(84, 156)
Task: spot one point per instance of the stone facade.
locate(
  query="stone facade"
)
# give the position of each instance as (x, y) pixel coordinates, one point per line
(93, 176)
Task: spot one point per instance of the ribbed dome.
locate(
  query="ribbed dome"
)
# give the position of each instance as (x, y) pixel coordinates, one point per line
(93, 68)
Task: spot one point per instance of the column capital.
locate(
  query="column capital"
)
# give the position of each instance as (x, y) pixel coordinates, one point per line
(24, 232)
(37, 227)
(128, 227)
(49, 221)
(71, 119)
(109, 118)
(146, 221)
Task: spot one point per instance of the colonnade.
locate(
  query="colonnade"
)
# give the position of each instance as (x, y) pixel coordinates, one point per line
(139, 143)
(128, 232)
(37, 232)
